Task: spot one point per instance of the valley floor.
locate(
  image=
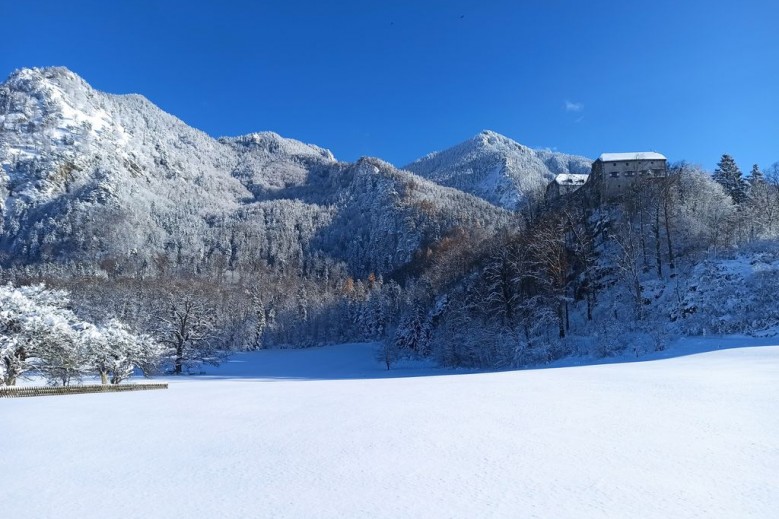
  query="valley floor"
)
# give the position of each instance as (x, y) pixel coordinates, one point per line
(327, 432)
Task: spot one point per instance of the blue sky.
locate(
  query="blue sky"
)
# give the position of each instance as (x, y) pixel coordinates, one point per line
(691, 79)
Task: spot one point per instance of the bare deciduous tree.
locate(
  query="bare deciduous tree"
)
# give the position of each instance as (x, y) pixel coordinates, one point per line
(187, 328)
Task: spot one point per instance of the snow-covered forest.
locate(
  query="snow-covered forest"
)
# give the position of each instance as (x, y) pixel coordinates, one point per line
(135, 242)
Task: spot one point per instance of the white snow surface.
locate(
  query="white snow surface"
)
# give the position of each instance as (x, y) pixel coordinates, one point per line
(569, 178)
(328, 433)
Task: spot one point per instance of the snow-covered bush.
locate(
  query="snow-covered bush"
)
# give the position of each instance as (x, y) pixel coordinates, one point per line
(114, 353)
(735, 295)
(32, 321)
(39, 332)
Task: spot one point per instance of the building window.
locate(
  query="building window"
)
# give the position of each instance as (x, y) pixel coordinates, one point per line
(614, 174)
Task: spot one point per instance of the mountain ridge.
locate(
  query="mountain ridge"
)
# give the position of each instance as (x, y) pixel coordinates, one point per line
(89, 175)
(488, 165)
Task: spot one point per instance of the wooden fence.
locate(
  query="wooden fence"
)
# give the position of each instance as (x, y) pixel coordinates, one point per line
(22, 391)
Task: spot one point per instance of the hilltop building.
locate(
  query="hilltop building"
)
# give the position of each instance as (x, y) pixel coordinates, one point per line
(563, 184)
(612, 173)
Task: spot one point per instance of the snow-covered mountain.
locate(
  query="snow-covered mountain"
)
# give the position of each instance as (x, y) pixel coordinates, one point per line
(497, 169)
(268, 162)
(90, 176)
(81, 169)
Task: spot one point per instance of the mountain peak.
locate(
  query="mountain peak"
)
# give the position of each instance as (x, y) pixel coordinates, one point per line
(487, 134)
(272, 143)
(491, 135)
(32, 79)
(496, 140)
(497, 168)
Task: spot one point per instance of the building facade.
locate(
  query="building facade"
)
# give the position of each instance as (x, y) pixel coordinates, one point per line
(564, 184)
(612, 173)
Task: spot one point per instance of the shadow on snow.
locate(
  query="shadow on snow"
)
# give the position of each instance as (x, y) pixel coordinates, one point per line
(361, 361)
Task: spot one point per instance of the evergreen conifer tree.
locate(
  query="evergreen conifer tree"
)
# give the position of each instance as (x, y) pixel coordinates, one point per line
(756, 176)
(729, 176)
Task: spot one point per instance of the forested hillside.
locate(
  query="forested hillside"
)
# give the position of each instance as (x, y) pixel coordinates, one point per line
(669, 257)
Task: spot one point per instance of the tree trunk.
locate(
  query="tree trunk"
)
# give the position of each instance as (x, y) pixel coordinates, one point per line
(561, 318)
(103, 378)
(658, 254)
(642, 238)
(667, 219)
(639, 298)
(589, 305)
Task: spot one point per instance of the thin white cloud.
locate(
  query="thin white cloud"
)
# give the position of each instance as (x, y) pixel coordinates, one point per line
(570, 106)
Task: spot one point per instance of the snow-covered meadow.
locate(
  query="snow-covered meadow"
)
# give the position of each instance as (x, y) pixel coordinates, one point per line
(327, 432)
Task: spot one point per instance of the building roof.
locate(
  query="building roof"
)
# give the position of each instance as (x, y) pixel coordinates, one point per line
(635, 155)
(570, 178)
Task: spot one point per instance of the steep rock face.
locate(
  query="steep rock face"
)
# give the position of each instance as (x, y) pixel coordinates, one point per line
(497, 169)
(112, 179)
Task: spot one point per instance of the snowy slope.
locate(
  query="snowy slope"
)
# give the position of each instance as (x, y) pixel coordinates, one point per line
(323, 433)
(107, 179)
(81, 168)
(386, 215)
(268, 162)
(52, 121)
(94, 174)
(497, 169)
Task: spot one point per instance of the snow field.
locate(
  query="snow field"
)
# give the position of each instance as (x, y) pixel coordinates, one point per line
(327, 433)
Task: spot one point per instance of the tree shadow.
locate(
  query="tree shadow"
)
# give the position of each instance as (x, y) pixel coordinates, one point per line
(360, 361)
(340, 362)
(680, 347)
